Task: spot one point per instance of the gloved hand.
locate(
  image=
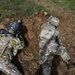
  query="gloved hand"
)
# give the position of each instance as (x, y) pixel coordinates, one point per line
(11, 43)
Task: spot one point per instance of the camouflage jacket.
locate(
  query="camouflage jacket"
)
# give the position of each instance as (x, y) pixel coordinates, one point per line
(9, 45)
(48, 34)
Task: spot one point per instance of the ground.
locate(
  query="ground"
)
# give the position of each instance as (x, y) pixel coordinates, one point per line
(28, 59)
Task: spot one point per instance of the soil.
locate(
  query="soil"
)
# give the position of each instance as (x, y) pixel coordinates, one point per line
(27, 60)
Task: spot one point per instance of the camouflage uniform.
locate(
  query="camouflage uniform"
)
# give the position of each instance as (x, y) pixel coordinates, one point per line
(9, 46)
(50, 45)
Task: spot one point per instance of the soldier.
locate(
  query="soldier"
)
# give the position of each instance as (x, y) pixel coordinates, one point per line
(50, 45)
(10, 43)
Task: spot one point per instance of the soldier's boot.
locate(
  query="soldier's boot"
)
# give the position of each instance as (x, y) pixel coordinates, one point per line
(71, 66)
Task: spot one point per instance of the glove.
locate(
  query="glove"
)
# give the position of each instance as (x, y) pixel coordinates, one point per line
(11, 43)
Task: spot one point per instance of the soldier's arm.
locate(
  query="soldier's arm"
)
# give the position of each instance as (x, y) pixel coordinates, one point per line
(17, 44)
(58, 40)
(64, 54)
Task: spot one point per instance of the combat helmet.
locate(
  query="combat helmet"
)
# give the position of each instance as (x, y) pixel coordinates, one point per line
(13, 26)
(54, 21)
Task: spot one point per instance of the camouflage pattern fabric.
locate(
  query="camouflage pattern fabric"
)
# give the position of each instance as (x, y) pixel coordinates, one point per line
(50, 45)
(9, 46)
(8, 68)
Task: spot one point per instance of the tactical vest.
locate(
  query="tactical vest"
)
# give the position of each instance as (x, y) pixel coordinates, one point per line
(4, 41)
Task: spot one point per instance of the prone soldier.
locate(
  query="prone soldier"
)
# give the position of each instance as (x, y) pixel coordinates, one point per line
(9, 46)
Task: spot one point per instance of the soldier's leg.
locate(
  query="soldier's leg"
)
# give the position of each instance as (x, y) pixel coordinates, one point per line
(8, 68)
(65, 55)
(46, 60)
(46, 66)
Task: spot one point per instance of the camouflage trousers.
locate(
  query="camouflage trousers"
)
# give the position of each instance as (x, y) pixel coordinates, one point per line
(48, 55)
(8, 68)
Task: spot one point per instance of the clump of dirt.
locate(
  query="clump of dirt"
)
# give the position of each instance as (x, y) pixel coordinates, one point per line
(29, 57)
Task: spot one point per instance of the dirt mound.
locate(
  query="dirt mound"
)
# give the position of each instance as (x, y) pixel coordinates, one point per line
(28, 58)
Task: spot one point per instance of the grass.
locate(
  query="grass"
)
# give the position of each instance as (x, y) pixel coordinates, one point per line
(9, 8)
(66, 3)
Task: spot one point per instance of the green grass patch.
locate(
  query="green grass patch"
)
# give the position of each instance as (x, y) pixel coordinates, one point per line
(21, 8)
(66, 3)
